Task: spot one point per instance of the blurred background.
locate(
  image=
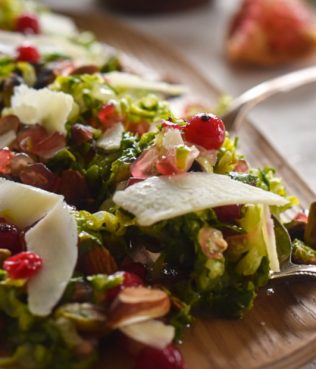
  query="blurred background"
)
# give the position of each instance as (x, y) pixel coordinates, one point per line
(198, 29)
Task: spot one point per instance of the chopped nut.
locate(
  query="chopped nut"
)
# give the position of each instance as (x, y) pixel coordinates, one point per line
(86, 69)
(212, 242)
(4, 254)
(97, 260)
(136, 304)
(86, 317)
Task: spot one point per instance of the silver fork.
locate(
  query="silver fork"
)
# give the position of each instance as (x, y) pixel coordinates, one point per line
(234, 117)
(288, 269)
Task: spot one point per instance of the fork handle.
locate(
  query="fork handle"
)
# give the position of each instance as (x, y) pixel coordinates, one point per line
(295, 270)
(246, 101)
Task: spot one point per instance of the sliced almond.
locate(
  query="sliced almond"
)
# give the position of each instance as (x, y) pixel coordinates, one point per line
(137, 304)
(151, 332)
(97, 260)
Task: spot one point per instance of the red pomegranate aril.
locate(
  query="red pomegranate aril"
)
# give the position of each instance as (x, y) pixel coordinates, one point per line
(301, 217)
(27, 23)
(168, 358)
(23, 265)
(206, 130)
(165, 167)
(28, 53)
(133, 180)
(10, 237)
(145, 165)
(135, 268)
(129, 280)
(5, 161)
(108, 115)
(138, 128)
(228, 213)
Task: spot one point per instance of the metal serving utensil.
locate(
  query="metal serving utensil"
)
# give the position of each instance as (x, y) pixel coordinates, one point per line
(289, 269)
(240, 106)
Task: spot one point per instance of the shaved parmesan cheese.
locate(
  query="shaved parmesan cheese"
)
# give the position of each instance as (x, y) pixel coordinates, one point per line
(111, 138)
(151, 332)
(7, 138)
(56, 44)
(270, 241)
(48, 108)
(23, 204)
(126, 81)
(51, 23)
(54, 239)
(53, 236)
(160, 198)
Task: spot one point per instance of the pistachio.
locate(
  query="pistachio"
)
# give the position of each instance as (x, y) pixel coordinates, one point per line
(86, 317)
(212, 242)
(4, 254)
(137, 304)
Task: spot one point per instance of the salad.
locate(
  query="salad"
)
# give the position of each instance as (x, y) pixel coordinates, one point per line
(120, 220)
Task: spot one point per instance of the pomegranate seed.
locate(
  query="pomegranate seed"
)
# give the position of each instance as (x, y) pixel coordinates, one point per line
(108, 115)
(28, 53)
(133, 180)
(23, 265)
(129, 280)
(144, 166)
(135, 268)
(138, 128)
(168, 358)
(301, 217)
(10, 237)
(241, 166)
(228, 213)
(27, 23)
(165, 167)
(206, 130)
(5, 161)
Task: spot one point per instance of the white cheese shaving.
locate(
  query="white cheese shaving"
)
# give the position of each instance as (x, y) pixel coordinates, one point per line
(127, 81)
(151, 332)
(7, 138)
(25, 204)
(53, 24)
(48, 108)
(53, 236)
(160, 198)
(51, 44)
(54, 239)
(111, 138)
